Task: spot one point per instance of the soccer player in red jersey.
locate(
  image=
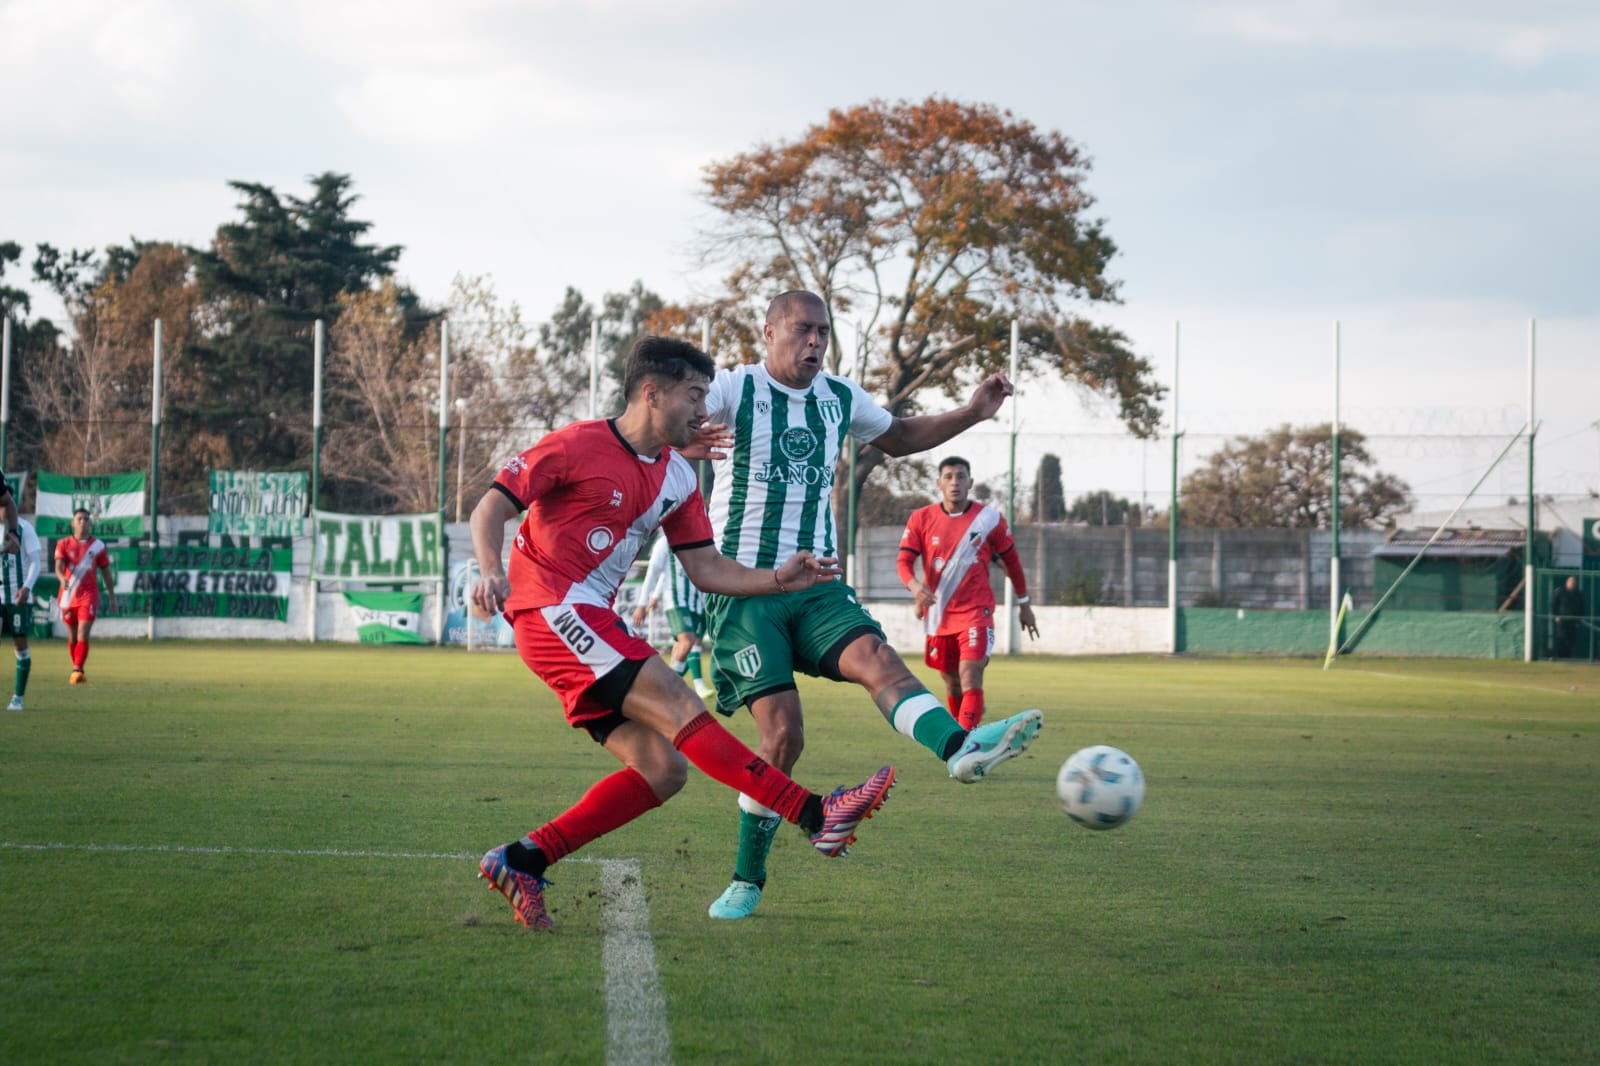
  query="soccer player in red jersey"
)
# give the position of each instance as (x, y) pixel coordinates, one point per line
(81, 559)
(956, 540)
(593, 493)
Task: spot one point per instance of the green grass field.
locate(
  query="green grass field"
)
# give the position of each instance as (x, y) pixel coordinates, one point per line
(1394, 861)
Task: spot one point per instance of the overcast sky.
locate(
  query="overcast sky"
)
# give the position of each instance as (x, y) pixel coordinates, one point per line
(1424, 172)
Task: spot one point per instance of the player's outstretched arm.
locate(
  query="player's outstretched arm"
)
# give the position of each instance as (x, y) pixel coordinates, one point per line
(712, 572)
(489, 518)
(908, 436)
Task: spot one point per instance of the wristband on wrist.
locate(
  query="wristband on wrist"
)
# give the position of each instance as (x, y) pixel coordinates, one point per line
(1024, 600)
(777, 582)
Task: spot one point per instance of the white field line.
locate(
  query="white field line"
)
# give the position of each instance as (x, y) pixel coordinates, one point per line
(636, 1011)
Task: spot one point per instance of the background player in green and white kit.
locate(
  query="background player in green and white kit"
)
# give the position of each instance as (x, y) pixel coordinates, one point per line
(772, 497)
(18, 571)
(666, 586)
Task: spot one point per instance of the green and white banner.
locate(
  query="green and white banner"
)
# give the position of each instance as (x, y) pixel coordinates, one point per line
(114, 501)
(202, 581)
(16, 479)
(387, 617)
(253, 504)
(379, 548)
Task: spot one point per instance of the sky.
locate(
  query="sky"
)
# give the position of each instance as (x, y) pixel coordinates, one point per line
(1420, 172)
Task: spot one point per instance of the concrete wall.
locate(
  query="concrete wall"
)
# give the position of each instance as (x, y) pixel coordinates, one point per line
(1062, 630)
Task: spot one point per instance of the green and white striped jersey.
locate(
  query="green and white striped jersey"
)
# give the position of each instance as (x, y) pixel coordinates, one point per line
(665, 580)
(772, 495)
(22, 569)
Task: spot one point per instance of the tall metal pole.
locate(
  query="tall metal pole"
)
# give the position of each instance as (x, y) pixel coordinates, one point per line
(594, 369)
(319, 341)
(444, 458)
(155, 463)
(461, 454)
(703, 467)
(1013, 630)
(1533, 514)
(5, 388)
(1334, 595)
(1172, 507)
(852, 499)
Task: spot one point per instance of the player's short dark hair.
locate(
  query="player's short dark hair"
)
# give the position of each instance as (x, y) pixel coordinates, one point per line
(954, 460)
(82, 511)
(663, 357)
(779, 307)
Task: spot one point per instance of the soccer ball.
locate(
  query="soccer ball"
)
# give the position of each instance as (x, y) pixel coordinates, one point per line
(1100, 787)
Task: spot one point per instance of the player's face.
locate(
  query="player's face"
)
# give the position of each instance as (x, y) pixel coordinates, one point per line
(955, 483)
(797, 342)
(81, 526)
(680, 409)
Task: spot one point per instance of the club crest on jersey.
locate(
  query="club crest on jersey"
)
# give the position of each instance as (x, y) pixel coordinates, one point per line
(938, 565)
(599, 539)
(747, 660)
(797, 443)
(830, 410)
(763, 407)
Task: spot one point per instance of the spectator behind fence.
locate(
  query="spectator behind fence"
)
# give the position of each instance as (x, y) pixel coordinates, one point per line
(1568, 608)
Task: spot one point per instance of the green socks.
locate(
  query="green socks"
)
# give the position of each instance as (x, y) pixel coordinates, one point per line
(925, 720)
(24, 664)
(756, 833)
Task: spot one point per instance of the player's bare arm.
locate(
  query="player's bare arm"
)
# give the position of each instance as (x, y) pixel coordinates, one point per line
(908, 436)
(717, 573)
(489, 518)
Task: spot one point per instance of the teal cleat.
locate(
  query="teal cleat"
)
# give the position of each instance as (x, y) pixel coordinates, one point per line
(738, 900)
(990, 745)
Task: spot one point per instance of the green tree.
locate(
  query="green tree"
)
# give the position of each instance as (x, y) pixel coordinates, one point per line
(1283, 480)
(934, 225)
(1049, 498)
(623, 318)
(1101, 508)
(265, 280)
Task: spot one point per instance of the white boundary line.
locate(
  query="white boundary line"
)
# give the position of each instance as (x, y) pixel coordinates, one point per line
(636, 1011)
(1552, 690)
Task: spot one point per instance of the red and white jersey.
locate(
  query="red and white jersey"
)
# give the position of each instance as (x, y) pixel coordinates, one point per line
(956, 550)
(592, 502)
(81, 559)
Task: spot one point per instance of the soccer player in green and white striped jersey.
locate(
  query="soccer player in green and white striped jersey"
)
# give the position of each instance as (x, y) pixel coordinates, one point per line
(18, 571)
(772, 497)
(667, 586)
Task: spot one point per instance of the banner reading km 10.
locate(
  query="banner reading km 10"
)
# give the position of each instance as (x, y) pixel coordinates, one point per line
(114, 501)
(353, 547)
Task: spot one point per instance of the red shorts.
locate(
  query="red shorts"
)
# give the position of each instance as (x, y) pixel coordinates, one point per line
(947, 651)
(570, 647)
(79, 611)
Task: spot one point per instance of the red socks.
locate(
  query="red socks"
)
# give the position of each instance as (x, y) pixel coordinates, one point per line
(613, 802)
(79, 650)
(971, 708)
(721, 756)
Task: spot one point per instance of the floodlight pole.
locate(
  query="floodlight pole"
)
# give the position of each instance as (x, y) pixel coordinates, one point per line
(1172, 506)
(318, 340)
(5, 390)
(155, 462)
(1333, 505)
(594, 369)
(1528, 616)
(1013, 636)
(444, 456)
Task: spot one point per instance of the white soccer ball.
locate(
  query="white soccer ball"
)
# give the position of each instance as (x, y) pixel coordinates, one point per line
(1100, 787)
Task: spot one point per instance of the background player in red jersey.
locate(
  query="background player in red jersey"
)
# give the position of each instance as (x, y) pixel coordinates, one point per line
(594, 492)
(81, 559)
(957, 539)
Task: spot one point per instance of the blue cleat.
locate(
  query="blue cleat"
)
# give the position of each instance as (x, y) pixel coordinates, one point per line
(523, 891)
(990, 745)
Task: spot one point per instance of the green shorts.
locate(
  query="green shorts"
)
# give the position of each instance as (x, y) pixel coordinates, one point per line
(16, 619)
(681, 621)
(758, 642)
